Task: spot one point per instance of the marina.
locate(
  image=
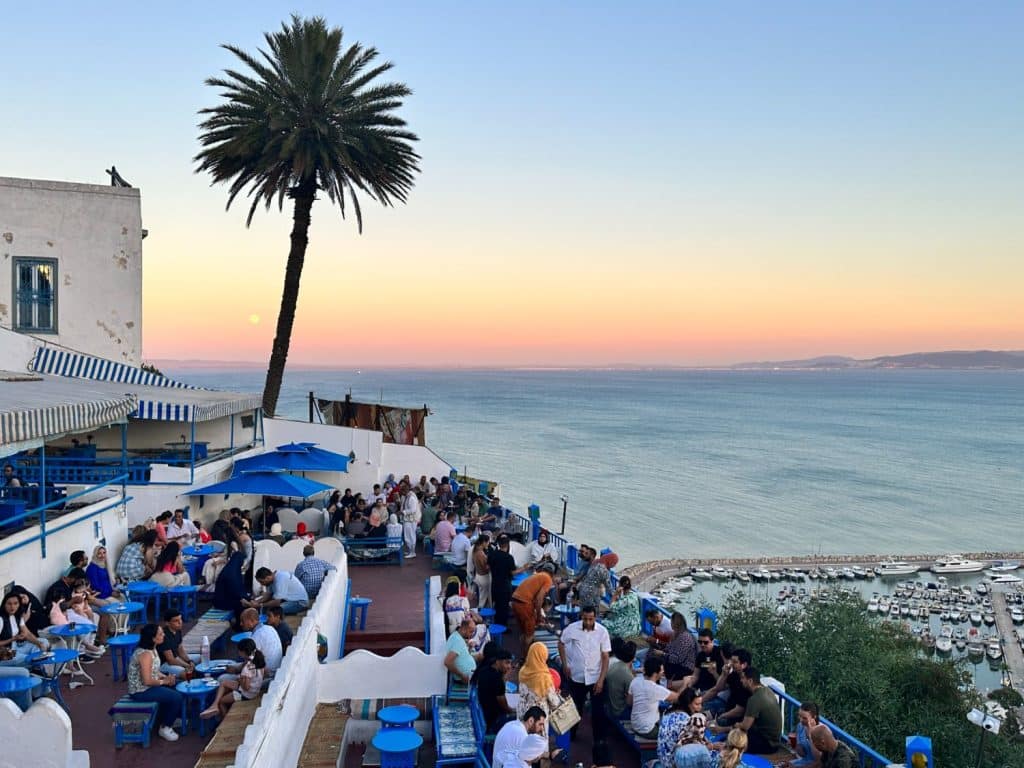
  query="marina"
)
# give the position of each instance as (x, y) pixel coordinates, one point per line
(1012, 634)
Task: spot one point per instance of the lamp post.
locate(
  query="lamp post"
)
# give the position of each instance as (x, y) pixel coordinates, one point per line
(565, 507)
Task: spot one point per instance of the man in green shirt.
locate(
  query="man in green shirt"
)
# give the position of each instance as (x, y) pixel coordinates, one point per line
(834, 753)
(620, 675)
(762, 719)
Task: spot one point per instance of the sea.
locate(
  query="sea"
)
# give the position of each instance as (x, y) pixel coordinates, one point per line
(720, 463)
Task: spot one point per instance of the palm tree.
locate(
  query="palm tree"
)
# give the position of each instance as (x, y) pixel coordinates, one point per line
(310, 116)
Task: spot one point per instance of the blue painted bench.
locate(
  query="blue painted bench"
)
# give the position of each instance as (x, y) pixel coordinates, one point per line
(133, 721)
(455, 735)
(647, 748)
(374, 551)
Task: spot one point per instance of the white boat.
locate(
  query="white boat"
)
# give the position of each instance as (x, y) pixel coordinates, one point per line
(761, 574)
(894, 611)
(1017, 616)
(743, 576)
(684, 583)
(1004, 565)
(1002, 577)
(849, 574)
(994, 650)
(873, 605)
(896, 568)
(719, 572)
(976, 617)
(944, 643)
(957, 564)
(989, 619)
(976, 648)
(701, 573)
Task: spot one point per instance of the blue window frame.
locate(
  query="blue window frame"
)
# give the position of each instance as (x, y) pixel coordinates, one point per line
(35, 295)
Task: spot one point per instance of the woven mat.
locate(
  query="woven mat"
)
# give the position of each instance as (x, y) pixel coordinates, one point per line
(220, 752)
(322, 746)
(211, 626)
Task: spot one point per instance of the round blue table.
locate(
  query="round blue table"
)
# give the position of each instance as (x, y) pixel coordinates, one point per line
(121, 649)
(148, 593)
(397, 747)
(567, 613)
(511, 687)
(199, 550)
(357, 611)
(10, 685)
(213, 667)
(195, 558)
(73, 637)
(497, 630)
(519, 579)
(398, 716)
(122, 614)
(57, 659)
(195, 694)
(487, 614)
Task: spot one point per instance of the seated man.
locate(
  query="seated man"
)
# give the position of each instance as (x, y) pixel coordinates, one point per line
(275, 618)
(731, 709)
(662, 628)
(834, 753)
(762, 718)
(173, 659)
(181, 530)
(357, 525)
(458, 659)
(311, 571)
(444, 533)
(281, 589)
(644, 695)
(265, 637)
(619, 677)
(489, 679)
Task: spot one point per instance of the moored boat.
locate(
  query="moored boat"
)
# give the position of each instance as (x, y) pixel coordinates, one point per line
(957, 564)
(892, 567)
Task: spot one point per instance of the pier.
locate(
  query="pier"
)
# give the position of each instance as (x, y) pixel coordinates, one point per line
(1012, 655)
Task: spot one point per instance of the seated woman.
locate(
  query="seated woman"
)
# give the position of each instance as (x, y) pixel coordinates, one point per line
(99, 577)
(147, 683)
(302, 532)
(809, 718)
(215, 563)
(247, 686)
(542, 554)
(394, 528)
(681, 738)
(731, 752)
(16, 639)
(623, 618)
(230, 589)
(170, 569)
(79, 612)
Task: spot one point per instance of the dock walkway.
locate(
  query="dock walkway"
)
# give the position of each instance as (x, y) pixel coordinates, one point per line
(1012, 655)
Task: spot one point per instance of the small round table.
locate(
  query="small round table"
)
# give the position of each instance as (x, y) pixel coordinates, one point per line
(398, 716)
(357, 607)
(148, 593)
(519, 579)
(567, 613)
(13, 685)
(121, 649)
(397, 747)
(195, 558)
(487, 614)
(122, 613)
(74, 640)
(187, 598)
(58, 658)
(497, 630)
(195, 694)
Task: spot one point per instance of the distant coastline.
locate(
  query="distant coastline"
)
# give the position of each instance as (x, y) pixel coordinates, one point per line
(1009, 360)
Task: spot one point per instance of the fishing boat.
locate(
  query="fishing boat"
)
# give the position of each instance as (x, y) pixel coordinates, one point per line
(957, 564)
(892, 567)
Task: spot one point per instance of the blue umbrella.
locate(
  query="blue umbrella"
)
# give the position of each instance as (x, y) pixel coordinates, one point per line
(264, 483)
(295, 457)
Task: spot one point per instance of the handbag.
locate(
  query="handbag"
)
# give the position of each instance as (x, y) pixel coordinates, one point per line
(564, 716)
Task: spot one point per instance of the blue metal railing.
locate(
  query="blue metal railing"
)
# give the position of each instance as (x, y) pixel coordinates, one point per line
(868, 757)
(426, 616)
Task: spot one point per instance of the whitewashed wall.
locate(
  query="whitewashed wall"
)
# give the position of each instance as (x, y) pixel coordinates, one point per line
(28, 567)
(95, 234)
(279, 726)
(412, 460)
(270, 554)
(40, 738)
(16, 349)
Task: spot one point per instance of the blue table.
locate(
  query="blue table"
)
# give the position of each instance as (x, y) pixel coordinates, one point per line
(73, 636)
(195, 558)
(148, 593)
(187, 599)
(121, 649)
(398, 716)
(397, 747)
(487, 614)
(567, 613)
(357, 611)
(497, 630)
(9, 685)
(122, 613)
(239, 637)
(755, 761)
(58, 658)
(195, 695)
(519, 578)
(214, 667)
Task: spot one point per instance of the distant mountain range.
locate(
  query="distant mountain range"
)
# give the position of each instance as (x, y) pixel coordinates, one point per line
(983, 358)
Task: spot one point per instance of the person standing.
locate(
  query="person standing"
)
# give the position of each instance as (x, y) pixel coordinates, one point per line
(584, 648)
(528, 605)
(503, 567)
(412, 515)
(481, 571)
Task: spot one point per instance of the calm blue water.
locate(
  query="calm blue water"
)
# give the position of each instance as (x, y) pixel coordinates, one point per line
(724, 463)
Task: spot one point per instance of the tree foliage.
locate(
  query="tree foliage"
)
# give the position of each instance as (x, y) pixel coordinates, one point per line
(868, 676)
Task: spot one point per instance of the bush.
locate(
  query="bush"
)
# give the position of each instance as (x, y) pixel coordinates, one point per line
(868, 676)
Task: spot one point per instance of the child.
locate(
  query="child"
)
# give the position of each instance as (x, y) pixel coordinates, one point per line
(247, 686)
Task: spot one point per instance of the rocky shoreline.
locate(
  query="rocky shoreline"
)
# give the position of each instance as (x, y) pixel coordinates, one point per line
(649, 575)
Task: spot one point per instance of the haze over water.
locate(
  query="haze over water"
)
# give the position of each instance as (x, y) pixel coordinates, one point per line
(709, 463)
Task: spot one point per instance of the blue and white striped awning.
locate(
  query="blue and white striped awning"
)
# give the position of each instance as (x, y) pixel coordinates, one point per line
(34, 408)
(62, 362)
(159, 398)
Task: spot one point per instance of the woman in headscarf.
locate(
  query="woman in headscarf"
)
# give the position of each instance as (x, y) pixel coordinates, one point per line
(623, 618)
(230, 588)
(394, 527)
(99, 576)
(536, 687)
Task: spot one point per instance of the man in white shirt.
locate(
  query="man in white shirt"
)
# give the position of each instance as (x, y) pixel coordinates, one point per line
(645, 694)
(584, 648)
(376, 495)
(180, 529)
(265, 637)
(521, 742)
(412, 515)
(461, 547)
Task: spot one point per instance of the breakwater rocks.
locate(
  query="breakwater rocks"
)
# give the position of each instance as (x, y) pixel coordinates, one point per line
(650, 574)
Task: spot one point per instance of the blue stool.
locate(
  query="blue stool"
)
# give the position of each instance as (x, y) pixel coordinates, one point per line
(121, 649)
(185, 599)
(397, 747)
(133, 720)
(497, 630)
(357, 611)
(487, 614)
(147, 593)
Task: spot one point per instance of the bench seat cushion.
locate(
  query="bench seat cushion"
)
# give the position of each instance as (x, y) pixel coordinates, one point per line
(455, 731)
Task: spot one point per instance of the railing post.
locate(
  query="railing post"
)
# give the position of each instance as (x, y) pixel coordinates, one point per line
(42, 499)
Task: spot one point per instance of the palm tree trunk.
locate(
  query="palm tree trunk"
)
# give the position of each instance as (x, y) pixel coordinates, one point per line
(289, 298)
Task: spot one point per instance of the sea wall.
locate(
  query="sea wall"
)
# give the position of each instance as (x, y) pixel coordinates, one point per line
(648, 575)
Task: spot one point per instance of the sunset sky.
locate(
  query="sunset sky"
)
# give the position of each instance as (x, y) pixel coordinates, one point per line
(602, 182)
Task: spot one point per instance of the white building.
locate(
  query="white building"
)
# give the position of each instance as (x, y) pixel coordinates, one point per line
(72, 265)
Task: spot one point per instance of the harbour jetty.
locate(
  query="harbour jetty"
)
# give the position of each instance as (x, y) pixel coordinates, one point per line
(1013, 657)
(649, 574)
